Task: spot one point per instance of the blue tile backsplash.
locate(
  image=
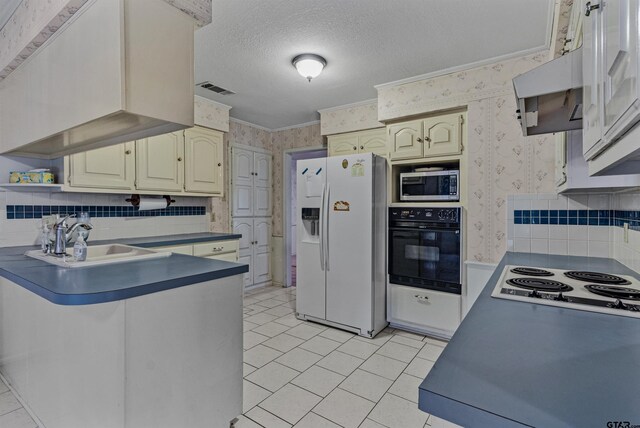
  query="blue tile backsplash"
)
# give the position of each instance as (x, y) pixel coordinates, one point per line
(15, 212)
(578, 217)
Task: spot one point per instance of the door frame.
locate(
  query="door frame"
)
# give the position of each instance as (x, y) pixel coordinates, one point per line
(286, 204)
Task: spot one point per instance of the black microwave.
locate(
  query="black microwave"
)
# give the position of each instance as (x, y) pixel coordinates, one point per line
(430, 186)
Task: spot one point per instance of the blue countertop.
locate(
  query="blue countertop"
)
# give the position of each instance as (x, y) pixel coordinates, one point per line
(107, 283)
(514, 364)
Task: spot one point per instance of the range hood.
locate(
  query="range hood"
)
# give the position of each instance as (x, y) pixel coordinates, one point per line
(117, 71)
(549, 97)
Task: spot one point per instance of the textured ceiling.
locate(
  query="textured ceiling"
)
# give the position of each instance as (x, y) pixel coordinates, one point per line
(7, 7)
(250, 43)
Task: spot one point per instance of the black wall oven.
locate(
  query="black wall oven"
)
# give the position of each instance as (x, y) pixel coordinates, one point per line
(425, 248)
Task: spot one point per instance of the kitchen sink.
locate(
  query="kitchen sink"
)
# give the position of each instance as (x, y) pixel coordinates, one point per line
(100, 255)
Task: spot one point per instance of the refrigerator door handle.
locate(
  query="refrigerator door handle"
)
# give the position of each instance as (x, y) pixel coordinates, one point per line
(326, 231)
(321, 228)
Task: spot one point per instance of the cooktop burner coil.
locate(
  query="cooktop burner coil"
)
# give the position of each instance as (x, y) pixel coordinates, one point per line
(539, 284)
(614, 292)
(529, 271)
(597, 277)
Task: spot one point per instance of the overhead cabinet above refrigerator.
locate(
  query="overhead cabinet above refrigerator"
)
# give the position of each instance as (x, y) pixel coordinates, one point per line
(119, 70)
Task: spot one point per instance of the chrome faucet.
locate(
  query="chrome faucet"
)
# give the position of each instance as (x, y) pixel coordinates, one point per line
(63, 233)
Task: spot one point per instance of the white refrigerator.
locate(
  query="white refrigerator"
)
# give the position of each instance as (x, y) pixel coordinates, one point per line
(341, 242)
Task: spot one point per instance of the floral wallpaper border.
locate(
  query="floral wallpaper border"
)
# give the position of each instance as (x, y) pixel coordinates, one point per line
(355, 117)
(211, 114)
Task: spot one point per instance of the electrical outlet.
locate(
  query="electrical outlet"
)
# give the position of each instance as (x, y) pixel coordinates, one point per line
(626, 233)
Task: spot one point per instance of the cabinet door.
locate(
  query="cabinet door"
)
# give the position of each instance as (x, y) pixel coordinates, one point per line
(160, 163)
(244, 227)
(262, 204)
(106, 168)
(443, 135)
(242, 182)
(405, 140)
(592, 91)
(620, 32)
(373, 142)
(341, 145)
(262, 250)
(203, 161)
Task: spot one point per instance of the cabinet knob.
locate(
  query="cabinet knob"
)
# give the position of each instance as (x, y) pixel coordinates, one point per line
(427, 139)
(589, 7)
(419, 140)
(127, 152)
(361, 147)
(355, 147)
(179, 159)
(219, 164)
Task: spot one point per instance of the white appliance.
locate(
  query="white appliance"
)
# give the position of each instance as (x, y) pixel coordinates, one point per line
(580, 290)
(341, 242)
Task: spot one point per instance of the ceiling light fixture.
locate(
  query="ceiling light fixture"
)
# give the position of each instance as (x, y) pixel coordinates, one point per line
(309, 65)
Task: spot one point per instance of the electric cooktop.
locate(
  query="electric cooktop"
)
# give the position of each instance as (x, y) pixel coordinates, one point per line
(581, 290)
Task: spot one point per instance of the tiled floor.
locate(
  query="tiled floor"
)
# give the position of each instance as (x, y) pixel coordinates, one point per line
(310, 376)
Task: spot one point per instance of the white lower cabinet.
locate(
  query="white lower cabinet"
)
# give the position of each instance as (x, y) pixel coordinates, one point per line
(254, 248)
(422, 310)
(218, 250)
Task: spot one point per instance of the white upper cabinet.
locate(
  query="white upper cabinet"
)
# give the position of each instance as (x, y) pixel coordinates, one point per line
(204, 158)
(160, 162)
(621, 96)
(442, 135)
(251, 183)
(611, 94)
(369, 141)
(106, 168)
(406, 140)
(592, 77)
(431, 137)
(179, 163)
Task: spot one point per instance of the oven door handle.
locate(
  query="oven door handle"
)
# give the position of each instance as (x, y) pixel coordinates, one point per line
(431, 229)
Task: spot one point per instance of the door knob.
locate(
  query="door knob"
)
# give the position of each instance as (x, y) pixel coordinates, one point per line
(589, 7)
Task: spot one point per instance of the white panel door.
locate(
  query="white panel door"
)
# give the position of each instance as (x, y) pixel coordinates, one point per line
(261, 250)
(160, 163)
(622, 105)
(242, 170)
(349, 241)
(203, 161)
(342, 145)
(106, 168)
(310, 273)
(374, 141)
(244, 227)
(406, 140)
(262, 203)
(592, 90)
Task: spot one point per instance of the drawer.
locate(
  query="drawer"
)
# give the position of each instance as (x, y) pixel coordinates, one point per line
(228, 257)
(178, 249)
(216, 247)
(424, 308)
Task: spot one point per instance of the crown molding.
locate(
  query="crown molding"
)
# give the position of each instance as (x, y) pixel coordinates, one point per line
(350, 105)
(301, 125)
(253, 125)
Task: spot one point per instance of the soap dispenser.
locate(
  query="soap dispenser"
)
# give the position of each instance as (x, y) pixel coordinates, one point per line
(80, 249)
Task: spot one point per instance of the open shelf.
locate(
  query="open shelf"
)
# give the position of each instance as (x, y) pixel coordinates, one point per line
(33, 187)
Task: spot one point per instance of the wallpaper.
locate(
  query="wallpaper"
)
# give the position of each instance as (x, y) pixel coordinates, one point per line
(350, 118)
(35, 21)
(211, 114)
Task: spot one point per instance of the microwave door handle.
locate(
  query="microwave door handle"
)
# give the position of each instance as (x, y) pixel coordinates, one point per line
(321, 228)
